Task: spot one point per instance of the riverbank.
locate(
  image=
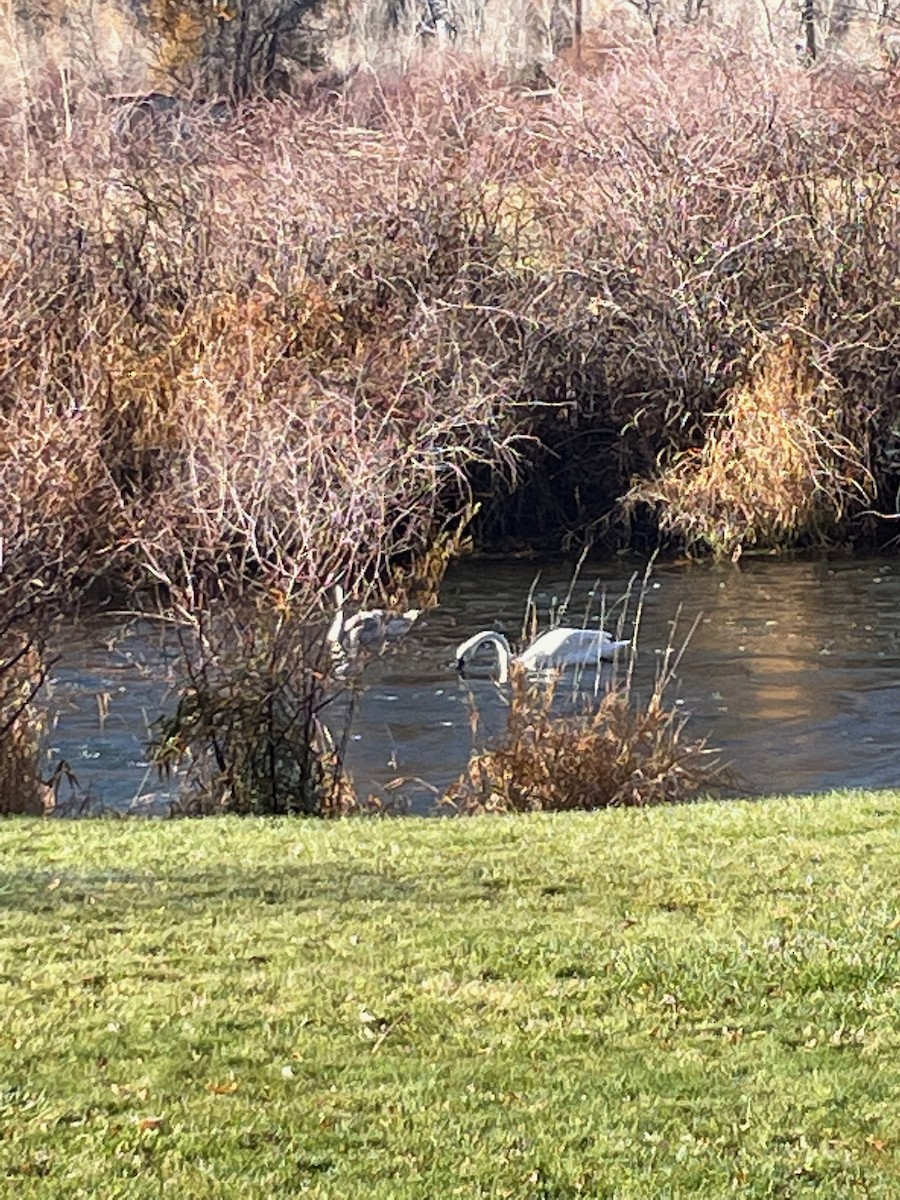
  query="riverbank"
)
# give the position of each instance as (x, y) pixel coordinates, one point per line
(681, 1001)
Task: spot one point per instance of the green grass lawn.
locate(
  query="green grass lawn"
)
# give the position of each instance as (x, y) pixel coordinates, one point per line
(691, 1002)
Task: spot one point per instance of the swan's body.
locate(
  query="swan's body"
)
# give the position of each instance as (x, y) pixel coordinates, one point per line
(562, 647)
(366, 632)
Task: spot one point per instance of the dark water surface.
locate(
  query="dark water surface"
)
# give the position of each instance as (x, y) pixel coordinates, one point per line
(793, 670)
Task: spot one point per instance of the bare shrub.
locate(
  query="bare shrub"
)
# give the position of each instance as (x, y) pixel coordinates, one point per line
(209, 423)
(370, 315)
(246, 736)
(63, 516)
(21, 730)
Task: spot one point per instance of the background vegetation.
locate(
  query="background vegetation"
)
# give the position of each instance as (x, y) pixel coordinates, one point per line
(298, 338)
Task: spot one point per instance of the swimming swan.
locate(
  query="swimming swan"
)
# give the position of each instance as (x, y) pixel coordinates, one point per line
(368, 631)
(560, 647)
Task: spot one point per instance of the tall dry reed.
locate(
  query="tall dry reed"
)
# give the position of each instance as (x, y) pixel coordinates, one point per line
(778, 467)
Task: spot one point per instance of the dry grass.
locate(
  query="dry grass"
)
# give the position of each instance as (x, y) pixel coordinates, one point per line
(777, 467)
(22, 671)
(592, 746)
(614, 755)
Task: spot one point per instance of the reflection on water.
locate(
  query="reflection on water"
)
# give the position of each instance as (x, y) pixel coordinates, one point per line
(794, 670)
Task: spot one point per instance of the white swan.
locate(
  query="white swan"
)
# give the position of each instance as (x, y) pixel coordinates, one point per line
(562, 647)
(368, 631)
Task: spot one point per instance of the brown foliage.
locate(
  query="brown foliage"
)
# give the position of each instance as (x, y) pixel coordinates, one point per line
(226, 352)
(777, 467)
(22, 671)
(614, 755)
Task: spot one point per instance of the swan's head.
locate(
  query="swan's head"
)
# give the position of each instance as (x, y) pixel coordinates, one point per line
(486, 638)
(406, 620)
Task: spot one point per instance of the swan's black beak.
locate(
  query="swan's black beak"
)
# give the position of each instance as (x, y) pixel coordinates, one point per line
(461, 667)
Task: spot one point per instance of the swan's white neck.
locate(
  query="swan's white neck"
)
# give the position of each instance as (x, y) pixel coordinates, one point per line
(336, 628)
(489, 638)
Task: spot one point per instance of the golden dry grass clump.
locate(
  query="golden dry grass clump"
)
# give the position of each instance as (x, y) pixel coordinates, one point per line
(615, 756)
(777, 468)
(21, 790)
(21, 728)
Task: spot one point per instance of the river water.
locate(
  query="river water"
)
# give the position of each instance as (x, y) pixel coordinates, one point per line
(793, 671)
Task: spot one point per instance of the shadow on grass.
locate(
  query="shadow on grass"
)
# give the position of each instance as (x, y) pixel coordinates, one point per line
(46, 891)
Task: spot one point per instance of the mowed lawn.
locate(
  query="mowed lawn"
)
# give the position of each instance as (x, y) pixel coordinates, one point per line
(692, 1002)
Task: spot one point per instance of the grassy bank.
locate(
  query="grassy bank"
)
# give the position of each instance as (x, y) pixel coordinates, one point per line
(680, 1002)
